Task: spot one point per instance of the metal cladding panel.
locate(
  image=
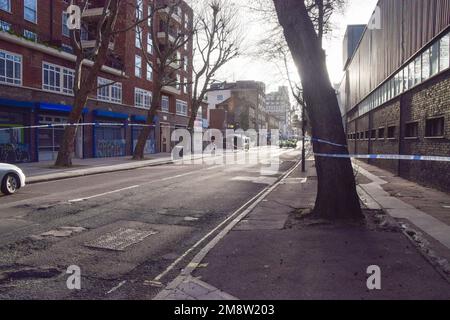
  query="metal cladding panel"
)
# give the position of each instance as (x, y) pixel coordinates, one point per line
(406, 26)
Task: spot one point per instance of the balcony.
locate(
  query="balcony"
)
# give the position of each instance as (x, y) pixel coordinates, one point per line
(92, 14)
(174, 16)
(87, 44)
(170, 89)
(162, 37)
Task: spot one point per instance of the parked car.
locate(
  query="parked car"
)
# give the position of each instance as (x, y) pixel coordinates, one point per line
(12, 178)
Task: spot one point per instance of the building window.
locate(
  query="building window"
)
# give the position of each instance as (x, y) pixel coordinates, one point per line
(138, 37)
(444, 54)
(5, 26)
(5, 5)
(139, 10)
(434, 59)
(67, 48)
(186, 21)
(220, 97)
(108, 90)
(434, 128)
(373, 134)
(10, 68)
(381, 134)
(412, 130)
(165, 104)
(411, 75)
(149, 12)
(181, 108)
(149, 43)
(186, 63)
(57, 79)
(65, 28)
(417, 70)
(30, 35)
(426, 65)
(138, 66)
(30, 10)
(149, 72)
(142, 98)
(405, 78)
(391, 132)
(178, 82)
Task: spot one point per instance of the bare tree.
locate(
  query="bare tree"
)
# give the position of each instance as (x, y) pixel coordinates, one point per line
(217, 41)
(85, 79)
(168, 61)
(303, 30)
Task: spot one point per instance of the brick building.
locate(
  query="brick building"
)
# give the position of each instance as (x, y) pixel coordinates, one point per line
(395, 94)
(36, 75)
(250, 94)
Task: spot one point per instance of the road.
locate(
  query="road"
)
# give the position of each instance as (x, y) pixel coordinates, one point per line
(121, 229)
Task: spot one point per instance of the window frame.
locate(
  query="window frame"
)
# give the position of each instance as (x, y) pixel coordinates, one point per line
(17, 59)
(63, 72)
(9, 7)
(25, 8)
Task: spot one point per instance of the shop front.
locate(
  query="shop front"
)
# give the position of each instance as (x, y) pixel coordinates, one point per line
(52, 118)
(138, 123)
(15, 138)
(109, 134)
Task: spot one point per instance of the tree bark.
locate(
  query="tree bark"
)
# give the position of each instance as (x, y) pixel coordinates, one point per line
(336, 195)
(138, 153)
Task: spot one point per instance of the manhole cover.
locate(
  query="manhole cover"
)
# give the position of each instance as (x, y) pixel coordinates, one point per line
(120, 239)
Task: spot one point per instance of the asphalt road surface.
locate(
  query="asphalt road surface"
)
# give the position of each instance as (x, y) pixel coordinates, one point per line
(121, 229)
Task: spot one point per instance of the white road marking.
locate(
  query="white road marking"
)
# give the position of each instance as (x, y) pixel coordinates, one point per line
(103, 194)
(116, 287)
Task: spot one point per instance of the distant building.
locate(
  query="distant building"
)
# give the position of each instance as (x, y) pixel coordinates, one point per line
(278, 104)
(237, 95)
(395, 92)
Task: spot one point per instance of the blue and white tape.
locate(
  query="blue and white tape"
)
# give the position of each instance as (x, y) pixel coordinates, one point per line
(385, 157)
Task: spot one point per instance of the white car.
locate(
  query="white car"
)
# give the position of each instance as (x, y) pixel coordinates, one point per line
(12, 178)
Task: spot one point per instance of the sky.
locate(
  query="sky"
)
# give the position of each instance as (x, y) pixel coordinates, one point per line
(248, 67)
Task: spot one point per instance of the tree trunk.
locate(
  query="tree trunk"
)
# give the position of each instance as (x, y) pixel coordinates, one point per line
(336, 195)
(194, 111)
(67, 143)
(138, 153)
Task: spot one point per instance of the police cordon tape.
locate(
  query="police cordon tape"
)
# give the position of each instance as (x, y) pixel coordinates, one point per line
(95, 124)
(385, 157)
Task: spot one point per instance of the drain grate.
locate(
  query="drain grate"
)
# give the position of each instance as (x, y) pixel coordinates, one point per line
(120, 239)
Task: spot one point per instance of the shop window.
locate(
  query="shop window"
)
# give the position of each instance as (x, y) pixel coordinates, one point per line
(10, 68)
(412, 130)
(381, 133)
(391, 132)
(444, 52)
(434, 128)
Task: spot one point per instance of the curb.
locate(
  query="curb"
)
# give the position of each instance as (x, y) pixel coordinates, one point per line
(92, 171)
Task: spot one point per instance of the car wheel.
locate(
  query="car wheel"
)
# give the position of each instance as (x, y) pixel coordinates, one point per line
(10, 184)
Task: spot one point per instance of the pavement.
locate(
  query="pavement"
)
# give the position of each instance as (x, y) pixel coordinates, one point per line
(277, 250)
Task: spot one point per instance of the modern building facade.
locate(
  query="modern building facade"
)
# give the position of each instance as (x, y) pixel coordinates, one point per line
(36, 76)
(395, 94)
(278, 104)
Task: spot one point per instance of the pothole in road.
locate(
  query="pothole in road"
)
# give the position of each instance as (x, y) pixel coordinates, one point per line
(61, 232)
(27, 273)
